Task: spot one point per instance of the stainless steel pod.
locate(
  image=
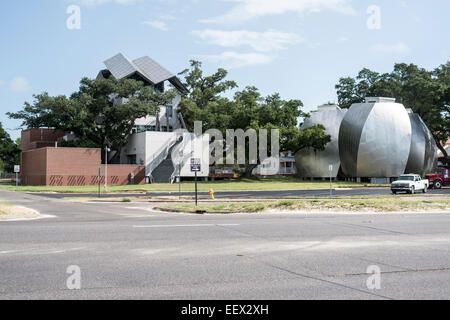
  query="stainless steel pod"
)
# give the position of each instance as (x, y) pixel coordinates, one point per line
(315, 164)
(423, 154)
(375, 139)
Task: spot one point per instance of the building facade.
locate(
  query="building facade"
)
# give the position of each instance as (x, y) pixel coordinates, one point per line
(315, 163)
(377, 141)
(151, 154)
(53, 166)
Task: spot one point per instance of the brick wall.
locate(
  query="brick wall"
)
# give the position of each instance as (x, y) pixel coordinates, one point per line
(74, 167)
(34, 167)
(40, 138)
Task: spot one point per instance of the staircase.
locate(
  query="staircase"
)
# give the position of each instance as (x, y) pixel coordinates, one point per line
(164, 171)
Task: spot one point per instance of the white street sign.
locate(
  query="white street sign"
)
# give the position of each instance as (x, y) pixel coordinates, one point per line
(196, 165)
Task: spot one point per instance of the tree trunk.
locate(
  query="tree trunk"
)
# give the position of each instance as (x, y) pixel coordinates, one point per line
(249, 169)
(444, 152)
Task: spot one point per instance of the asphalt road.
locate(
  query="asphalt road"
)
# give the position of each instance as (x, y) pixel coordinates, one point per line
(128, 251)
(253, 194)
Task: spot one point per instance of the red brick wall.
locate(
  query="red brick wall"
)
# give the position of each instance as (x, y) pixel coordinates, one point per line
(74, 167)
(34, 167)
(40, 138)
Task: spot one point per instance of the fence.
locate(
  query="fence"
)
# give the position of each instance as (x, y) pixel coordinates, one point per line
(5, 176)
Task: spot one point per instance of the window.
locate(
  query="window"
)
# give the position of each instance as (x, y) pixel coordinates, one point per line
(131, 159)
(138, 129)
(169, 111)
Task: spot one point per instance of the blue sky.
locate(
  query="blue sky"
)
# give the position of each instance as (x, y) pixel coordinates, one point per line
(299, 48)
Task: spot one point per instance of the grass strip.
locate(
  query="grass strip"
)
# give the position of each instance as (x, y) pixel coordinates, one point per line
(223, 185)
(350, 205)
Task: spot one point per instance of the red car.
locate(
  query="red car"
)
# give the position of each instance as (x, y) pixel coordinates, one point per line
(440, 178)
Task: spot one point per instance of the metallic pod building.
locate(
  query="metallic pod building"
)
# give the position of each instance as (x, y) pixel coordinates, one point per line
(423, 154)
(315, 164)
(375, 139)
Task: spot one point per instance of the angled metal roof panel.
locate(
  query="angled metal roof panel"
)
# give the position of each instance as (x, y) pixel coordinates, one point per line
(152, 70)
(178, 85)
(120, 66)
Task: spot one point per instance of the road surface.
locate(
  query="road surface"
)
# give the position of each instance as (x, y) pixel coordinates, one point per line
(128, 251)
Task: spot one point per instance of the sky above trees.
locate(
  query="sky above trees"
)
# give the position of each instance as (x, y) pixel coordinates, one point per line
(299, 48)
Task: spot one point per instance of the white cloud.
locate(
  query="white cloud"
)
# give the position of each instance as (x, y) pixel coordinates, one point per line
(230, 59)
(398, 48)
(160, 25)
(20, 84)
(270, 40)
(246, 10)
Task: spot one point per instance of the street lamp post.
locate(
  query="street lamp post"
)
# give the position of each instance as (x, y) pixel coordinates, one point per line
(100, 121)
(106, 169)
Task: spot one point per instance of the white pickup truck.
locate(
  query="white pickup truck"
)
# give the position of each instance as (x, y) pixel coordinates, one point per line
(410, 183)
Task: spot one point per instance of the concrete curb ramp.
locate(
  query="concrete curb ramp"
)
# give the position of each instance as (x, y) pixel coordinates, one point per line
(24, 214)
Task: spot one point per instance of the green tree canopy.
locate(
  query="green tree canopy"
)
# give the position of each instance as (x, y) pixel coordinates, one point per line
(9, 151)
(427, 93)
(247, 109)
(96, 99)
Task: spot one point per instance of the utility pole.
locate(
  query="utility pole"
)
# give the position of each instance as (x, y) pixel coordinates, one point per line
(106, 168)
(99, 176)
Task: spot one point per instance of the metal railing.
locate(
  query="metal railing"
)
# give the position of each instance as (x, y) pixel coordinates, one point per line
(162, 154)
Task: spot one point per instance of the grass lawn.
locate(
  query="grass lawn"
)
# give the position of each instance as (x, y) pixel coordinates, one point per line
(235, 185)
(380, 204)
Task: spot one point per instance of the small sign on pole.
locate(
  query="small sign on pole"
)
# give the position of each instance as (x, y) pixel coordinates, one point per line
(17, 171)
(196, 166)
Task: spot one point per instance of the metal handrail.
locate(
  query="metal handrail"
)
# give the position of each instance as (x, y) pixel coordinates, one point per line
(163, 152)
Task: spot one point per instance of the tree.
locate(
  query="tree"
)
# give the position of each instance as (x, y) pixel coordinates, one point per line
(204, 92)
(425, 92)
(246, 110)
(96, 99)
(19, 148)
(205, 89)
(9, 151)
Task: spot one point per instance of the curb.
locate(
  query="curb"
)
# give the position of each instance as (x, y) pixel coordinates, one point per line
(203, 212)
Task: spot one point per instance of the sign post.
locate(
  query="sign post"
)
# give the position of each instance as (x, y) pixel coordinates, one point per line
(99, 177)
(106, 168)
(17, 171)
(330, 168)
(196, 166)
(179, 181)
